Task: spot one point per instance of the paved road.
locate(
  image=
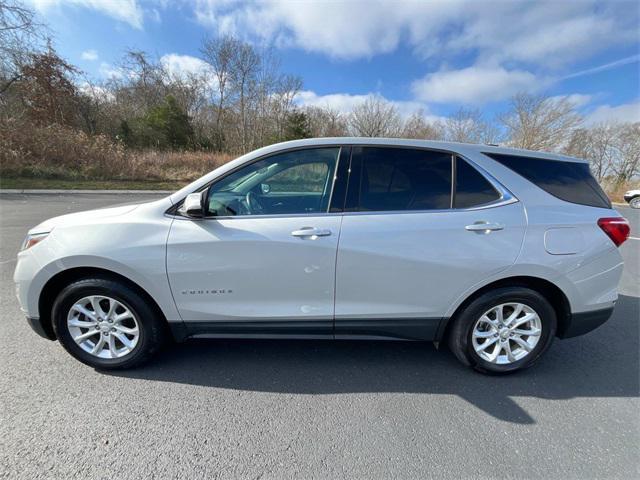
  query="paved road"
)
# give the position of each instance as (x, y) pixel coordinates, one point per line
(280, 409)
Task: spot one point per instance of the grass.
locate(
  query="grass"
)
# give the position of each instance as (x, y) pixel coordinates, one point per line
(55, 184)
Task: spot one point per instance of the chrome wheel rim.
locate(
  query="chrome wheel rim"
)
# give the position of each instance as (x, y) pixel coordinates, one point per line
(635, 203)
(506, 333)
(103, 326)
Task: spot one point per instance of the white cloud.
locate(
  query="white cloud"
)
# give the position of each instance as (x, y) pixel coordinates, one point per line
(109, 71)
(577, 99)
(474, 85)
(344, 103)
(97, 92)
(183, 66)
(628, 112)
(90, 55)
(544, 33)
(128, 11)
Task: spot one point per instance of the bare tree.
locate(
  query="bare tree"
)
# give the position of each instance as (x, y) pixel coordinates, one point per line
(628, 164)
(468, 126)
(219, 53)
(281, 101)
(47, 89)
(598, 145)
(375, 117)
(20, 37)
(416, 126)
(245, 65)
(537, 122)
(326, 122)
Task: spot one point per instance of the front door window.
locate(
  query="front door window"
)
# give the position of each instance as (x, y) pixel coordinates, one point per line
(295, 182)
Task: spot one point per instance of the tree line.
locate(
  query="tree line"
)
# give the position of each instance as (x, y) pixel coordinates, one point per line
(240, 99)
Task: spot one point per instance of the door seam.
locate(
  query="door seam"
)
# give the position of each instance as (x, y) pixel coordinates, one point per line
(335, 278)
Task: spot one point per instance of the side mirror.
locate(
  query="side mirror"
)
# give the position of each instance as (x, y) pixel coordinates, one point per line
(265, 188)
(193, 205)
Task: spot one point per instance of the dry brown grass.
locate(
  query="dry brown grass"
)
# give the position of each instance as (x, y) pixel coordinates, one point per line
(64, 153)
(616, 191)
(174, 166)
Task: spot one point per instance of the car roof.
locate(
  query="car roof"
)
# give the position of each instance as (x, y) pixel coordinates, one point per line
(437, 145)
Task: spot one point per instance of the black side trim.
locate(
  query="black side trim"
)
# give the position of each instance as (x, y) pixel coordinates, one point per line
(178, 331)
(41, 329)
(339, 192)
(581, 323)
(389, 328)
(279, 328)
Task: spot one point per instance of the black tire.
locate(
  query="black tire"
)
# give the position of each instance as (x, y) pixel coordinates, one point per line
(152, 332)
(460, 335)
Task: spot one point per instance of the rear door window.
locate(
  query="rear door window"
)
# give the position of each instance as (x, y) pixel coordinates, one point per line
(568, 181)
(395, 179)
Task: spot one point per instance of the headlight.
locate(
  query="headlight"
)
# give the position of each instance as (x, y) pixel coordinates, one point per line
(31, 240)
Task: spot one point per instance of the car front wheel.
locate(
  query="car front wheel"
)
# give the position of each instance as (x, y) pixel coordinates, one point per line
(504, 330)
(105, 324)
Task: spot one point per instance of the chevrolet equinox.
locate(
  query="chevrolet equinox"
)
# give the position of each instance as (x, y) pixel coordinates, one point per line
(493, 251)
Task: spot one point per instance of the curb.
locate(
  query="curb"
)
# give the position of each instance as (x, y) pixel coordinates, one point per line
(73, 192)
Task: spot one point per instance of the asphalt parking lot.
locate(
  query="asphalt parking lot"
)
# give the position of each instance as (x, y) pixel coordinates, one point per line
(310, 409)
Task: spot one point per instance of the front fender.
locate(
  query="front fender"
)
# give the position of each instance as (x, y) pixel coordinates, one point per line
(153, 281)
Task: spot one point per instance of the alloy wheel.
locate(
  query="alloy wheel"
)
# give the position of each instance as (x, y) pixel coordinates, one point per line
(506, 333)
(103, 327)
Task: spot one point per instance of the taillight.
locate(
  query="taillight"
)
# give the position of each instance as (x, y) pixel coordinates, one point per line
(616, 228)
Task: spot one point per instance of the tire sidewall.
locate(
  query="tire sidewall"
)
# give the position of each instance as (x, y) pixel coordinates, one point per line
(492, 299)
(77, 290)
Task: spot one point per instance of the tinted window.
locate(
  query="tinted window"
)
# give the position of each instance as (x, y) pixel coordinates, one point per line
(472, 189)
(293, 182)
(569, 181)
(404, 179)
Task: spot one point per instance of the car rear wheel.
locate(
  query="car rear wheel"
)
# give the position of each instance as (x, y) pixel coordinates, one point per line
(105, 324)
(635, 202)
(504, 330)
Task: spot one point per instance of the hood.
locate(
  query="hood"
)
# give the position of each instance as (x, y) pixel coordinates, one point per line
(82, 217)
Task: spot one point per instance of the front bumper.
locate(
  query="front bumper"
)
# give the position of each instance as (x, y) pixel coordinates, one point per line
(42, 329)
(584, 322)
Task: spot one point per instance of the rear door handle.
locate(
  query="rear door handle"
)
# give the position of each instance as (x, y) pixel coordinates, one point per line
(485, 227)
(311, 232)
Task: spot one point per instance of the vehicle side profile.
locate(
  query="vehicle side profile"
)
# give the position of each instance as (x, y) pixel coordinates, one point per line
(492, 251)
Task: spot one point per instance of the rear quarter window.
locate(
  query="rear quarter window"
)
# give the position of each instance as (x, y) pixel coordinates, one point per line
(568, 181)
(472, 189)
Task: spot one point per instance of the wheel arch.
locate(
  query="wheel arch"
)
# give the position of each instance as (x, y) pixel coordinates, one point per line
(556, 297)
(60, 280)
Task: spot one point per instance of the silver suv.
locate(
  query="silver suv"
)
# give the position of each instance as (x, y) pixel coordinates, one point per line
(494, 251)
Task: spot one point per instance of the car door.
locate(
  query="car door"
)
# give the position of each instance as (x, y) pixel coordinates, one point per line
(263, 259)
(409, 246)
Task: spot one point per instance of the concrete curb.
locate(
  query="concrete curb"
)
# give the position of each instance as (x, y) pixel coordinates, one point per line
(73, 192)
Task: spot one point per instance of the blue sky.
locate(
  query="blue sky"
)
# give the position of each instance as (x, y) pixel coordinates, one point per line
(434, 56)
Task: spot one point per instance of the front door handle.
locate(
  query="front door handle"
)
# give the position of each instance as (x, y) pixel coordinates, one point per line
(311, 232)
(484, 227)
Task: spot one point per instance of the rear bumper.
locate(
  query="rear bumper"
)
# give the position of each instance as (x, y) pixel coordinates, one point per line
(584, 322)
(45, 331)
